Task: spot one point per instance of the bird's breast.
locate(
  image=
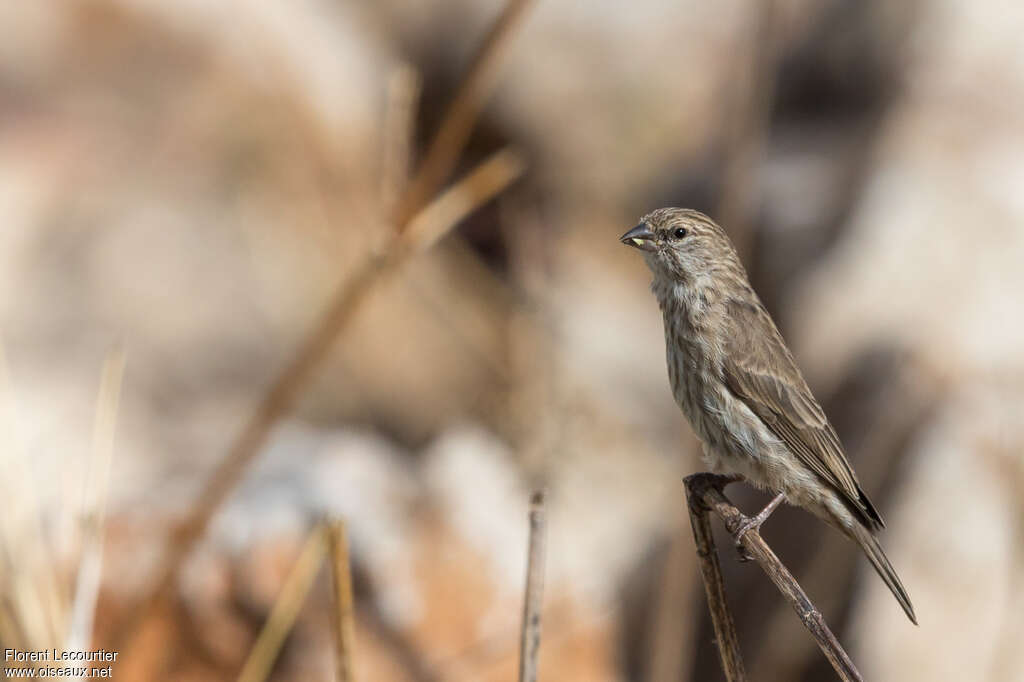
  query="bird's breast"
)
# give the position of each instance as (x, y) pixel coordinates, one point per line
(692, 366)
(726, 426)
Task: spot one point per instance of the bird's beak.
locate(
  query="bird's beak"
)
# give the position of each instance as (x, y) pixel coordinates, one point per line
(640, 237)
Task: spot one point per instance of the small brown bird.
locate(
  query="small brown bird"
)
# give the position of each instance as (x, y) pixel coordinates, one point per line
(737, 383)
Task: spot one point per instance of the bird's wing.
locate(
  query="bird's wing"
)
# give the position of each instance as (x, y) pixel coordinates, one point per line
(760, 371)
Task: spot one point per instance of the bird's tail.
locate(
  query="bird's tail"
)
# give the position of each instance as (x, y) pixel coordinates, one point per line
(873, 550)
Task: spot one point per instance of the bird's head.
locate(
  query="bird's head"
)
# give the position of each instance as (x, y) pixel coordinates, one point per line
(681, 244)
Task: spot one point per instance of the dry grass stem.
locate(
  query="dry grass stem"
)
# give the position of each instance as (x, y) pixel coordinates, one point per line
(90, 566)
(704, 493)
(344, 610)
(714, 586)
(529, 649)
(457, 124)
(286, 608)
(454, 204)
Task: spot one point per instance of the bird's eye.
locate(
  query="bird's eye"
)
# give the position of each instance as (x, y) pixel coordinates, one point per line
(678, 233)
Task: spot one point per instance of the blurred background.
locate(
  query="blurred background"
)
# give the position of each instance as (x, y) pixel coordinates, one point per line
(213, 338)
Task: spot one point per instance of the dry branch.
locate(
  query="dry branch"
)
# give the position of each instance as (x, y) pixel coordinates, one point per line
(704, 494)
(455, 203)
(286, 608)
(453, 133)
(344, 613)
(714, 586)
(529, 643)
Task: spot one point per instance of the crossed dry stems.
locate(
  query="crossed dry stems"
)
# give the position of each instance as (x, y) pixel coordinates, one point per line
(422, 215)
(704, 495)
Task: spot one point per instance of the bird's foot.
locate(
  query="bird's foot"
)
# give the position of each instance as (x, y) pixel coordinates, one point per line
(754, 523)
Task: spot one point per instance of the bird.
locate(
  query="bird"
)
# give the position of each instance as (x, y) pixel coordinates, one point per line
(739, 386)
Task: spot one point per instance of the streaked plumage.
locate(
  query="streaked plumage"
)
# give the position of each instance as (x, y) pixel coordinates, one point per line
(738, 384)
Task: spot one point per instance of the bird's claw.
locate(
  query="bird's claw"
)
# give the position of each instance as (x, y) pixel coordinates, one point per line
(754, 523)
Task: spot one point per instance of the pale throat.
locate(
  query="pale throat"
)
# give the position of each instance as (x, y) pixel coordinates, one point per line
(694, 297)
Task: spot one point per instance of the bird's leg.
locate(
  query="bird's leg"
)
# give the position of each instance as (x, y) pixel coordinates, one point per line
(754, 523)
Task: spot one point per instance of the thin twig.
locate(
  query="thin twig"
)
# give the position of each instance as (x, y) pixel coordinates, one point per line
(457, 124)
(344, 613)
(714, 586)
(286, 608)
(705, 494)
(529, 643)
